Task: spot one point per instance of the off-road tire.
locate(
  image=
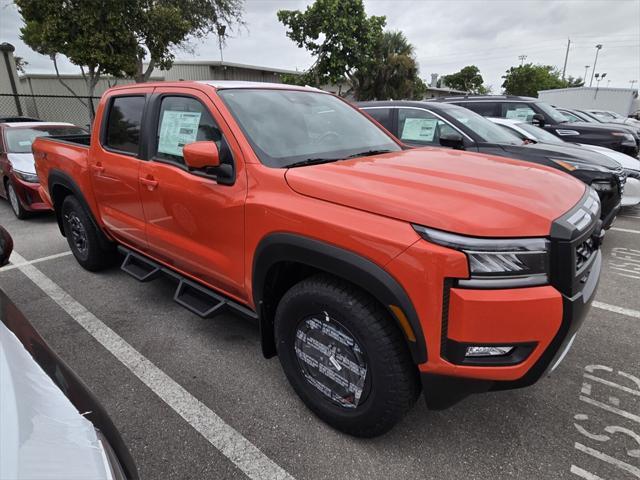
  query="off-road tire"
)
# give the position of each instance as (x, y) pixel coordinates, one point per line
(391, 382)
(83, 237)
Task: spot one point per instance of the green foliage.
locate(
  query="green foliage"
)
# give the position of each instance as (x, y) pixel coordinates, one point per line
(391, 73)
(160, 26)
(20, 64)
(529, 79)
(468, 79)
(574, 82)
(338, 33)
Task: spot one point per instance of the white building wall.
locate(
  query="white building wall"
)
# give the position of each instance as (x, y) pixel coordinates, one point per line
(620, 100)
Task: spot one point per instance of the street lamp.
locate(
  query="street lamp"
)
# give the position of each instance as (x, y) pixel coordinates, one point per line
(586, 68)
(599, 78)
(598, 47)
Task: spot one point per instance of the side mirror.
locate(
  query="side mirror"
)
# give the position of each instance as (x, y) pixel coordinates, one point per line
(538, 120)
(6, 246)
(452, 140)
(200, 155)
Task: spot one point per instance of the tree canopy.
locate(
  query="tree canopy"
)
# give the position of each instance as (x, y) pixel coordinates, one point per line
(529, 79)
(350, 47)
(468, 79)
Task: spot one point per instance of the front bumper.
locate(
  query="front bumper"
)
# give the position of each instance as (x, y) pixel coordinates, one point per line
(29, 195)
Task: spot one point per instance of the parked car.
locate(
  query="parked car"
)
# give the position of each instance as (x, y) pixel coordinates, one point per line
(545, 116)
(18, 180)
(575, 115)
(52, 426)
(419, 123)
(609, 116)
(630, 165)
(368, 266)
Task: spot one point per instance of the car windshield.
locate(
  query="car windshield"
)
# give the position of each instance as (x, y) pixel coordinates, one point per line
(19, 139)
(540, 134)
(551, 112)
(488, 131)
(287, 127)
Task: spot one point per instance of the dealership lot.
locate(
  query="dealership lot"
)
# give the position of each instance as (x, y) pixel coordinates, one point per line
(194, 398)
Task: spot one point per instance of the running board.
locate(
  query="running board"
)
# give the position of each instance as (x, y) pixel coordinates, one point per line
(196, 298)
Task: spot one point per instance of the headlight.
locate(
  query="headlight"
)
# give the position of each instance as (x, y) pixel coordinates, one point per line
(626, 136)
(26, 177)
(496, 262)
(570, 166)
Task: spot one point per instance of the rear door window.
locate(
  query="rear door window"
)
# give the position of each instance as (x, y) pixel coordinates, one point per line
(384, 116)
(421, 127)
(486, 109)
(123, 124)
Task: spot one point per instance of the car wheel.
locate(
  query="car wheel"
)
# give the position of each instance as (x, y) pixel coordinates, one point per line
(344, 356)
(82, 236)
(14, 201)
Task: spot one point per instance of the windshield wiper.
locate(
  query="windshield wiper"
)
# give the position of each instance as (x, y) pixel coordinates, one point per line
(367, 153)
(311, 161)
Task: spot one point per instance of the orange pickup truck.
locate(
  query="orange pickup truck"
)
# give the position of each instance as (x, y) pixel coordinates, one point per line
(374, 271)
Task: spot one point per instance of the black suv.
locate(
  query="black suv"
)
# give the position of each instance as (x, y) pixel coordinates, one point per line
(437, 124)
(544, 115)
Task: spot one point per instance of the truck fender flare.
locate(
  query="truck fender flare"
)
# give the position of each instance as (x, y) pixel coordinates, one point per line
(58, 178)
(362, 272)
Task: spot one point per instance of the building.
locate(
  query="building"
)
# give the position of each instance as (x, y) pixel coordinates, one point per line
(620, 100)
(219, 70)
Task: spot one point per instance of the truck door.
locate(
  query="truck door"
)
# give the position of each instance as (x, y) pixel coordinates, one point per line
(114, 164)
(193, 222)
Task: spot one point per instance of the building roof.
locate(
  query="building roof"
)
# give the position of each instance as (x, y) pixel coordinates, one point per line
(222, 84)
(447, 90)
(218, 63)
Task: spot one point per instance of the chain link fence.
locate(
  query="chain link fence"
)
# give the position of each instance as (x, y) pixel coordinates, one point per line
(51, 108)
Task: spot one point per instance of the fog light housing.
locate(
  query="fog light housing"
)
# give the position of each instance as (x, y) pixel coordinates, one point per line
(488, 351)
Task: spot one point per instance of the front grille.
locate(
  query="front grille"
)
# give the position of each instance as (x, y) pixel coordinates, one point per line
(583, 252)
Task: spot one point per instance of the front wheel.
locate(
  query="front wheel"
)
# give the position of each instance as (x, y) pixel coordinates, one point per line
(344, 356)
(14, 201)
(83, 237)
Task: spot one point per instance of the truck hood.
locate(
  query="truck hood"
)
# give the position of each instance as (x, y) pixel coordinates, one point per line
(22, 162)
(456, 191)
(570, 151)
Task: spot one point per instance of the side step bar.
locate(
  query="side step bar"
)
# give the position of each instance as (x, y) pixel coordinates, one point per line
(196, 298)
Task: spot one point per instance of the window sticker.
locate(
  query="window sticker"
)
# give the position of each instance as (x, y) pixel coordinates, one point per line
(420, 129)
(524, 114)
(177, 129)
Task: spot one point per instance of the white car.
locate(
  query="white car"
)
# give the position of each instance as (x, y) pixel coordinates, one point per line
(609, 116)
(631, 166)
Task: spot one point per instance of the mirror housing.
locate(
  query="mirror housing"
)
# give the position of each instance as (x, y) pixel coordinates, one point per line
(538, 120)
(6, 246)
(201, 155)
(452, 140)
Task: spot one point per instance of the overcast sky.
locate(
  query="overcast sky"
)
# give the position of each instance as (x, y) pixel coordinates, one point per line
(447, 36)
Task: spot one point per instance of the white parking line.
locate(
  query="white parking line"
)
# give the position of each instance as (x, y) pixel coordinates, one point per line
(628, 230)
(246, 456)
(615, 309)
(17, 263)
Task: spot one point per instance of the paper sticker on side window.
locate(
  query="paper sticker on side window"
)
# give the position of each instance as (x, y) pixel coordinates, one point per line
(421, 129)
(176, 130)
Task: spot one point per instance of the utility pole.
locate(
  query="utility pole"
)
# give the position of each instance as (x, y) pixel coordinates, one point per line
(566, 57)
(584, 79)
(598, 47)
(522, 59)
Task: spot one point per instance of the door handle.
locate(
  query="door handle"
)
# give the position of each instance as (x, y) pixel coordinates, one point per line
(98, 168)
(149, 181)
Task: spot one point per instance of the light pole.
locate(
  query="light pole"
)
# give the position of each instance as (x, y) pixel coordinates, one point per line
(586, 68)
(599, 78)
(598, 47)
(522, 59)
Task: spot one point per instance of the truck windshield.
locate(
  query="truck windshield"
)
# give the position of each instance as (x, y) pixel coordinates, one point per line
(19, 139)
(287, 127)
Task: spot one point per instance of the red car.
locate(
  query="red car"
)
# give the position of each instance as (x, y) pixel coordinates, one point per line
(20, 183)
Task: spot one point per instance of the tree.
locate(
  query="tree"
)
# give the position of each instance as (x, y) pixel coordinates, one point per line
(572, 82)
(20, 64)
(91, 35)
(340, 36)
(392, 72)
(468, 79)
(529, 79)
(160, 26)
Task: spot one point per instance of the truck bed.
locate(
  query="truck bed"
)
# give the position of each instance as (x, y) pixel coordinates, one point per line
(82, 140)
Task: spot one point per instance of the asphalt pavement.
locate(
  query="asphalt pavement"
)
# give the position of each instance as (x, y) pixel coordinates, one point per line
(195, 399)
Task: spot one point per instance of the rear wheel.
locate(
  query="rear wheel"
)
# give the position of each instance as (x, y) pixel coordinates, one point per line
(344, 356)
(83, 237)
(14, 201)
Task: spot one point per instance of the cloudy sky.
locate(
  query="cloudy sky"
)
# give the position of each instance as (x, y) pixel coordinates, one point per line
(447, 36)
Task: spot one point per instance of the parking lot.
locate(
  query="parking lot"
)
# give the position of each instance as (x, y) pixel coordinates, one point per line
(194, 398)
